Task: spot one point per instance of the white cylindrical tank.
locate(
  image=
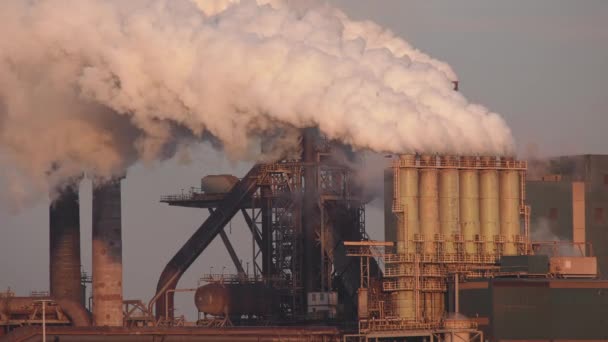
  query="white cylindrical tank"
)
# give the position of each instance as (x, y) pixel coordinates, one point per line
(489, 206)
(449, 205)
(469, 205)
(429, 204)
(509, 209)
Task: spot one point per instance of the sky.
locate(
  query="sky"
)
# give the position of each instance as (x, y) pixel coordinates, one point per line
(541, 64)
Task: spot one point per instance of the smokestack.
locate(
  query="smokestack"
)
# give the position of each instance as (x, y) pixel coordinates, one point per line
(107, 254)
(64, 245)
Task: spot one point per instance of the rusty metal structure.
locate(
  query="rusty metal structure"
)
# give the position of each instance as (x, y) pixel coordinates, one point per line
(298, 212)
(451, 217)
(17, 312)
(226, 300)
(457, 229)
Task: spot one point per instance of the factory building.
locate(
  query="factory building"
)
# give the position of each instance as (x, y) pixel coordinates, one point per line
(531, 308)
(460, 260)
(569, 200)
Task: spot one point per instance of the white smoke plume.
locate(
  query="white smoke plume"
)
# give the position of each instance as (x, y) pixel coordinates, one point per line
(95, 85)
(548, 242)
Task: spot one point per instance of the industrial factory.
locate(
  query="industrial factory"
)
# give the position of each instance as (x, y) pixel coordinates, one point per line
(459, 262)
(475, 244)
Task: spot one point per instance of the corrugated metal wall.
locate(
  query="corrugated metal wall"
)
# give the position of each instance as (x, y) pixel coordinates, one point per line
(541, 309)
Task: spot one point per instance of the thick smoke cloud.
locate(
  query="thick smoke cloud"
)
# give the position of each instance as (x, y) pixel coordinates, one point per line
(94, 85)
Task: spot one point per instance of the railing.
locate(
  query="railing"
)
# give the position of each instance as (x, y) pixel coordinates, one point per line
(401, 324)
(393, 272)
(394, 324)
(440, 259)
(396, 285)
(479, 163)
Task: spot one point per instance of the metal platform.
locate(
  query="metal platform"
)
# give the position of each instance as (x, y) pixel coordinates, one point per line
(232, 334)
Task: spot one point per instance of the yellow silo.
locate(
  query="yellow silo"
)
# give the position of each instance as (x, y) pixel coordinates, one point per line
(488, 203)
(429, 204)
(469, 203)
(408, 195)
(509, 209)
(449, 207)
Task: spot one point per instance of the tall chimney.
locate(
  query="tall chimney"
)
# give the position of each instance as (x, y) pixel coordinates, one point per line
(64, 245)
(107, 254)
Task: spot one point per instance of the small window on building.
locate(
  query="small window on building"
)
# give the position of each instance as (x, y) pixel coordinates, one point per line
(553, 214)
(599, 215)
(606, 179)
(321, 297)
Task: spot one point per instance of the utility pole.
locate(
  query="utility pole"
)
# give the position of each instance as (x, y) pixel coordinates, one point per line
(43, 302)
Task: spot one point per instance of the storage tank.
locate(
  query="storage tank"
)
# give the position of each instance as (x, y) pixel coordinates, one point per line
(408, 196)
(488, 203)
(405, 305)
(408, 227)
(235, 299)
(509, 209)
(469, 204)
(449, 204)
(429, 203)
(218, 184)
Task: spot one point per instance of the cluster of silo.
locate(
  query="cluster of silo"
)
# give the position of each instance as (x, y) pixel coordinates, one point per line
(450, 205)
(449, 210)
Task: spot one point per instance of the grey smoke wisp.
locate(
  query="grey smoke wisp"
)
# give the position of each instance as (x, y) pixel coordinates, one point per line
(94, 85)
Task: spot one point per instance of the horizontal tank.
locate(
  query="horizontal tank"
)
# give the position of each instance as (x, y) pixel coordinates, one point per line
(29, 308)
(17, 306)
(235, 299)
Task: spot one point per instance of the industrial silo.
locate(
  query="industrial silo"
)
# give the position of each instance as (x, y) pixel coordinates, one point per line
(429, 203)
(406, 179)
(488, 203)
(469, 203)
(449, 203)
(509, 208)
(408, 198)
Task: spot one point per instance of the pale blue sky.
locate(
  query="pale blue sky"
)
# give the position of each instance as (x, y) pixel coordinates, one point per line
(542, 64)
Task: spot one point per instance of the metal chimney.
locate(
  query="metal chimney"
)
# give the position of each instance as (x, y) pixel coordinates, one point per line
(107, 254)
(64, 245)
